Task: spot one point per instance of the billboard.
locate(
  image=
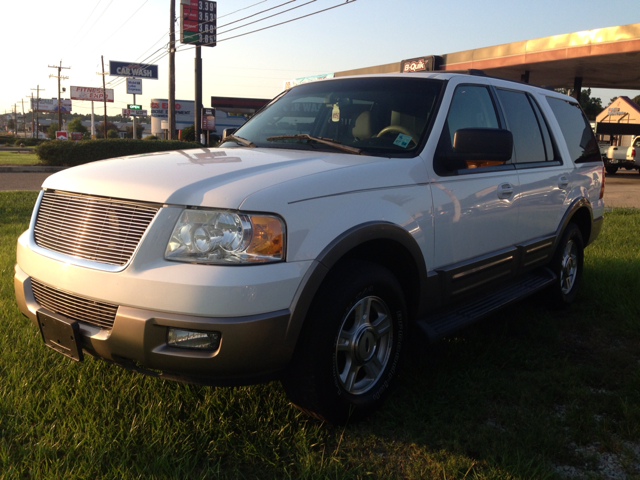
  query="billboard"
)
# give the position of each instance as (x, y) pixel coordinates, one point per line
(90, 94)
(208, 119)
(134, 86)
(184, 113)
(48, 105)
(132, 69)
(198, 22)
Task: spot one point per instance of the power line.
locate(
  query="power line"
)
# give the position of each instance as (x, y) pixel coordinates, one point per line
(94, 23)
(85, 22)
(258, 13)
(266, 18)
(274, 25)
(121, 26)
(245, 8)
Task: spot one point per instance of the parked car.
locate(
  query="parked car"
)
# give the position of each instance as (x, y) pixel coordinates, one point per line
(344, 217)
(623, 157)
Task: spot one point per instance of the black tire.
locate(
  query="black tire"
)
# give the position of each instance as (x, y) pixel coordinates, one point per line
(611, 170)
(567, 264)
(345, 362)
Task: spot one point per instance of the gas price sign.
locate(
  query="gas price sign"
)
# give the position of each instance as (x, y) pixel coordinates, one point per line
(198, 22)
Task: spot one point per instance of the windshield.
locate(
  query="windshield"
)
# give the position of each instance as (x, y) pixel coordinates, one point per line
(374, 116)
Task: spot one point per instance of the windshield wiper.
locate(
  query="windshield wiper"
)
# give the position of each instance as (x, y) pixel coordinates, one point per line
(326, 141)
(240, 140)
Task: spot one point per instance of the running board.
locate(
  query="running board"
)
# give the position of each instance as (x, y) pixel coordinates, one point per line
(459, 316)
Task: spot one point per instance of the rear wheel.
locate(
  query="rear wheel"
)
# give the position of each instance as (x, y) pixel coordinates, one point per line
(611, 170)
(567, 265)
(350, 348)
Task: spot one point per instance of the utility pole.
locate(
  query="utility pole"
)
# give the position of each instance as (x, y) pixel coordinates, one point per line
(37, 108)
(172, 71)
(24, 121)
(104, 97)
(198, 109)
(59, 77)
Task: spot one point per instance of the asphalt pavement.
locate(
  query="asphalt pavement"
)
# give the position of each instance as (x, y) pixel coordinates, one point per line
(621, 189)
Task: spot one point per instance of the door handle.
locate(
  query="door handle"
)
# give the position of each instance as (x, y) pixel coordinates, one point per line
(563, 182)
(505, 191)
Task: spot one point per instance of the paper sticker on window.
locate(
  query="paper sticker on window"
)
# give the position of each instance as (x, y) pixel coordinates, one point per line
(335, 115)
(402, 140)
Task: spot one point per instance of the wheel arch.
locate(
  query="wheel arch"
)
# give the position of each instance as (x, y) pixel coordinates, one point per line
(581, 214)
(382, 243)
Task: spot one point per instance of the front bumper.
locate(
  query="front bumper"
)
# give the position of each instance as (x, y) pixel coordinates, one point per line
(252, 347)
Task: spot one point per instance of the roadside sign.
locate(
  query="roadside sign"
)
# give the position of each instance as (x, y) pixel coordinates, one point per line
(132, 69)
(134, 86)
(127, 112)
(91, 94)
(198, 20)
(133, 106)
(208, 119)
(62, 135)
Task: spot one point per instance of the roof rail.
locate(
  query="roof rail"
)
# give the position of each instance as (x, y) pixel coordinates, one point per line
(470, 71)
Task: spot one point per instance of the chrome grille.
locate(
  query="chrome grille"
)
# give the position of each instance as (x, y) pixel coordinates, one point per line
(103, 230)
(74, 307)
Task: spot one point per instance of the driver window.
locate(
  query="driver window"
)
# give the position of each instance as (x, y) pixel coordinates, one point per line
(471, 107)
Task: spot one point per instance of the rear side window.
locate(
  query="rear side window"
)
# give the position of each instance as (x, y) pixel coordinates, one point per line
(576, 131)
(531, 140)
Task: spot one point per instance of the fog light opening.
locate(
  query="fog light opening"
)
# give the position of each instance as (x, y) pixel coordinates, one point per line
(193, 340)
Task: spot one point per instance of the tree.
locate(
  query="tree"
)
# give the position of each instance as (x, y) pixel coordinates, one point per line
(637, 99)
(592, 106)
(75, 125)
(51, 131)
(113, 134)
(188, 134)
(110, 127)
(139, 130)
(11, 124)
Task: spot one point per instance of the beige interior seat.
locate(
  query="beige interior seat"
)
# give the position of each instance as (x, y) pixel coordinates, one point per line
(362, 127)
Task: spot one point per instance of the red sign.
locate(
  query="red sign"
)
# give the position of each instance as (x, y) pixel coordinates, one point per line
(76, 136)
(62, 136)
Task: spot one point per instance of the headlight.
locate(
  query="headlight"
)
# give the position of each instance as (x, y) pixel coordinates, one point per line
(214, 236)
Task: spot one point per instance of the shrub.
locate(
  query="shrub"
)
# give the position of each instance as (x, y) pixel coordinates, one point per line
(151, 137)
(7, 139)
(28, 142)
(86, 151)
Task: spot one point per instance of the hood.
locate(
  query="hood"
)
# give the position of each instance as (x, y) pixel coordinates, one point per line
(220, 177)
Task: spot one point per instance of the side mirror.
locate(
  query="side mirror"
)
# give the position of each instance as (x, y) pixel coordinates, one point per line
(228, 131)
(487, 146)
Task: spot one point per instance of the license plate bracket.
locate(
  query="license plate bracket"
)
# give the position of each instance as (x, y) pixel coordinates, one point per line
(61, 334)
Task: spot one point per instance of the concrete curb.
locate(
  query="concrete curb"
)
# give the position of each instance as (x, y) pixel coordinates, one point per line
(29, 169)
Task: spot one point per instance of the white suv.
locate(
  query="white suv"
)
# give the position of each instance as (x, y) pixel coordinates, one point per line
(343, 216)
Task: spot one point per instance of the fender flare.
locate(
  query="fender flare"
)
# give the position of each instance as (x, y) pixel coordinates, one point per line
(334, 252)
(576, 205)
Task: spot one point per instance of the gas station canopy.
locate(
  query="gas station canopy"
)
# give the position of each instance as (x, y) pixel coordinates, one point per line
(600, 58)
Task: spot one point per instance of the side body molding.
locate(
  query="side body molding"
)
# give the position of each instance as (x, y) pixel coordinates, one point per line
(361, 242)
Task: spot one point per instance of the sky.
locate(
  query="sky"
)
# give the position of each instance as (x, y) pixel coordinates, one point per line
(357, 33)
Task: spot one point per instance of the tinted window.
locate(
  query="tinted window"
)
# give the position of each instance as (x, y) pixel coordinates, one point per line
(471, 107)
(380, 116)
(576, 131)
(524, 125)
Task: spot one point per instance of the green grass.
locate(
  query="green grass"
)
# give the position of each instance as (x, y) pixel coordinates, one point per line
(14, 157)
(506, 399)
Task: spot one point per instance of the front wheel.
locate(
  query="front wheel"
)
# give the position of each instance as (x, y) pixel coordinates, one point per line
(567, 265)
(350, 348)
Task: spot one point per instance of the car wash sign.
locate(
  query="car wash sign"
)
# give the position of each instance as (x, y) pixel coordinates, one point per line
(135, 70)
